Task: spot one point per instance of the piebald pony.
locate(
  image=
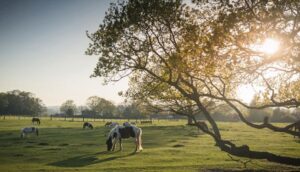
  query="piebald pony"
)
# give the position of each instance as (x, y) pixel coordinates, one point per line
(29, 130)
(123, 132)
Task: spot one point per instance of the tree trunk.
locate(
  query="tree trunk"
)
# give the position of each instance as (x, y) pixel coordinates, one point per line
(209, 119)
(244, 151)
(190, 120)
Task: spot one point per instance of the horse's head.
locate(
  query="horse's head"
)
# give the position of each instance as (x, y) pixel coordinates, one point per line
(109, 143)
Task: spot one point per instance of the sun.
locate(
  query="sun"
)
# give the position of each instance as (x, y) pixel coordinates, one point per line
(270, 46)
(245, 93)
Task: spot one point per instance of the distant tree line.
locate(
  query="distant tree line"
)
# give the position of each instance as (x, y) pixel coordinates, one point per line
(97, 107)
(18, 102)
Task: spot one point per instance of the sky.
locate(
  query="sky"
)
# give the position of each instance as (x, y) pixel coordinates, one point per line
(42, 45)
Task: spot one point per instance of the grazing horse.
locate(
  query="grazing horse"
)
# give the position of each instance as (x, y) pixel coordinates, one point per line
(37, 120)
(29, 130)
(88, 125)
(111, 124)
(121, 132)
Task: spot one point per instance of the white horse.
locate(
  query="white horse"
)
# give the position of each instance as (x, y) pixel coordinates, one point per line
(123, 132)
(29, 130)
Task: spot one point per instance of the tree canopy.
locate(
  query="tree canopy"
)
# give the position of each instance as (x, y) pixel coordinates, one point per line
(68, 108)
(202, 52)
(101, 106)
(18, 102)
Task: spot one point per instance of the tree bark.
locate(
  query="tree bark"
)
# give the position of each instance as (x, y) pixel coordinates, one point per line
(209, 118)
(244, 150)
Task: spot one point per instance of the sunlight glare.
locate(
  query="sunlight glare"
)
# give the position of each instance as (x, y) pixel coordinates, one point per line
(245, 93)
(270, 46)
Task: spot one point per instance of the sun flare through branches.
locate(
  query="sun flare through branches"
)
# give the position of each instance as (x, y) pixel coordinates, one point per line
(270, 46)
(245, 93)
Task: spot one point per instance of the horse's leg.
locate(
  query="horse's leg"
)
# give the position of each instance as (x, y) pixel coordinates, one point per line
(140, 140)
(114, 144)
(136, 144)
(120, 141)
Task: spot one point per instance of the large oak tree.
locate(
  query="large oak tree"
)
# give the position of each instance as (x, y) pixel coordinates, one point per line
(203, 51)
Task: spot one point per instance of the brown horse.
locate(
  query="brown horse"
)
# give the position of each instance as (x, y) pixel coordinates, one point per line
(36, 120)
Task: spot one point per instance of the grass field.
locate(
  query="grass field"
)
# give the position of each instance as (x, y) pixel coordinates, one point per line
(168, 146)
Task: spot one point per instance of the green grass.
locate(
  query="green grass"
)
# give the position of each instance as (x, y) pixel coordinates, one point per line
(168, 146)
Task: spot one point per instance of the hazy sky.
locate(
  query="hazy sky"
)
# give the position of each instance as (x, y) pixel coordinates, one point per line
(42, 44)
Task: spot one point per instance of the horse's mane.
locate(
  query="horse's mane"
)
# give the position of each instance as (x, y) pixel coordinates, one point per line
(112, 131)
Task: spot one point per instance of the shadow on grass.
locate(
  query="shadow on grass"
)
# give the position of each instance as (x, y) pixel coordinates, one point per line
(85, 160)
